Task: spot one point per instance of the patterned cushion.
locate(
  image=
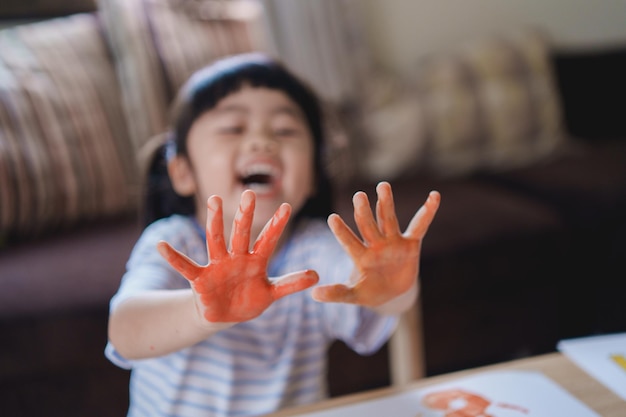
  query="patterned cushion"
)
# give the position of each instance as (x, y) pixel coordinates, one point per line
(157, 44)
(491, 104)
(65, 155)
(392, 121)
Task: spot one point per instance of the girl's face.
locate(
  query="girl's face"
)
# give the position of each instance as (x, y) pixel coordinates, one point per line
(254, 138)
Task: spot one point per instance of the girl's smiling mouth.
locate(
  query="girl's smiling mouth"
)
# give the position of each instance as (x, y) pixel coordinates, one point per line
(261, 177)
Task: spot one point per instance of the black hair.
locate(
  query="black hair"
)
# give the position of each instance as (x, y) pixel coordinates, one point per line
(202, 92)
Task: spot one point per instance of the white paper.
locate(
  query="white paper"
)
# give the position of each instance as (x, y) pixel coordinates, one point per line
(494, 394)
(602, 357)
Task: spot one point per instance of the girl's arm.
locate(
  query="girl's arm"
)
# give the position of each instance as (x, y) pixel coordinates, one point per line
(386, 260)
(232, 288)
(158, 322)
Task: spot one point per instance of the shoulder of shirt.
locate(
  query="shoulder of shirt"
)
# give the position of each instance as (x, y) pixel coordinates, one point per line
(175, 220)
(175, 229)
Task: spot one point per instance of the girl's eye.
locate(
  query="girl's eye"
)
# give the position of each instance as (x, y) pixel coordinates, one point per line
(286, 132)
(230, 130)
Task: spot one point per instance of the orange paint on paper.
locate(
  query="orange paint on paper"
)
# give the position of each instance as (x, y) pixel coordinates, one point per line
(460, 403)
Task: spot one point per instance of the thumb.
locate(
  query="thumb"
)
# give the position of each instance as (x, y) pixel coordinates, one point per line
(183, 264)
(294, 282)
(335, 293)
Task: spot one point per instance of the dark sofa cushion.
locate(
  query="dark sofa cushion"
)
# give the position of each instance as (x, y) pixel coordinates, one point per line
(54, 365)
(74, 271)
(585, 184)
(472, 212)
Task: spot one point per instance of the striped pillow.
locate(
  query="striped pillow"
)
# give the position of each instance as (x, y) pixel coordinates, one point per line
(157, 44)
(491, 104)
(65, 155)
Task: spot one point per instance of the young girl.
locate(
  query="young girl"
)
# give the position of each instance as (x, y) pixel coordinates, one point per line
(217, 328)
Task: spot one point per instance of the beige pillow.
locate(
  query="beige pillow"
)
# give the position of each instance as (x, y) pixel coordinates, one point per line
(392, 120)
(454, 133)
(157, 44)
(65, 154)
(492, 104)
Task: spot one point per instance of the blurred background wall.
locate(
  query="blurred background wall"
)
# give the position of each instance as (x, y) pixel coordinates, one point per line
(400, 31)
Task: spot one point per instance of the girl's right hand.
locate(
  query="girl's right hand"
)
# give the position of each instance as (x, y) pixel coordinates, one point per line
(234, 286)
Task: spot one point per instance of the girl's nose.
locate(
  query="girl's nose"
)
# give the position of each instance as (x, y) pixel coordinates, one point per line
(262, 142)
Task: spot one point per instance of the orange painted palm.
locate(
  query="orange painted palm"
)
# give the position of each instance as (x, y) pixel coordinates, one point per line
(234, 287)
(386, 260)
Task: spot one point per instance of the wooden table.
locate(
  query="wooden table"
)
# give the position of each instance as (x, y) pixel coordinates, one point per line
(554, 365)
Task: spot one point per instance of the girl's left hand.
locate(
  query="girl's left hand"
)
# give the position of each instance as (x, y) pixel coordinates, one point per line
(386, 260)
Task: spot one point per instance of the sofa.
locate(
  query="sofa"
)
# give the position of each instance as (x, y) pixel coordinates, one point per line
(528, 247)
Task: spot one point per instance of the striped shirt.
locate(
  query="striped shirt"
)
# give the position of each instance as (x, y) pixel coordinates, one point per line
(273, 361)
